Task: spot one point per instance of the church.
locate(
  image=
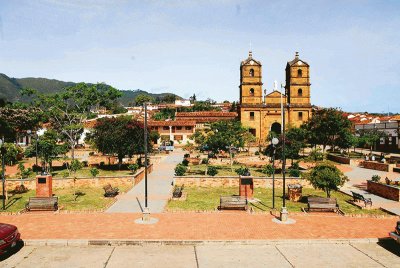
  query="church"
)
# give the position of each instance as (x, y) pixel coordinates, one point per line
(261, 113)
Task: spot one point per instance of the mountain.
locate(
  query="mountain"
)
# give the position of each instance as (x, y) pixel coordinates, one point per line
(10, 89)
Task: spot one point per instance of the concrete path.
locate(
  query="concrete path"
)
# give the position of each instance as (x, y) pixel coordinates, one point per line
(319, 254)
(358, 183)
(159, 188)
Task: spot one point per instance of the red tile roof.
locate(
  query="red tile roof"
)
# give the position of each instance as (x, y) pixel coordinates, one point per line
(172, 123)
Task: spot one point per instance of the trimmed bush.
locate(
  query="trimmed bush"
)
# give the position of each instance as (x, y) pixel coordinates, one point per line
(94, 171)
(243, 171)
(133, 168)
(212, 171)
(180, 170)
(294, 172)
(268, 169)
(204, 161)
(185, 162)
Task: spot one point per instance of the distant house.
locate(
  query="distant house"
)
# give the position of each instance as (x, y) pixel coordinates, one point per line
(388, 124)
(177, 131)
(182, 103)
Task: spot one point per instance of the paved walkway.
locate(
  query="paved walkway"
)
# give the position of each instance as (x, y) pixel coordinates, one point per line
(208, 256)
(357, 183)
(159, 187)
(226, 225)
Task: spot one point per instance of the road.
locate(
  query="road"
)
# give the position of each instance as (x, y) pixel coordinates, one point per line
(284, 254)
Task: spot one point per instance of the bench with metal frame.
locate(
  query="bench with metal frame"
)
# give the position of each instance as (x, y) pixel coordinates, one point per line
(360, 197)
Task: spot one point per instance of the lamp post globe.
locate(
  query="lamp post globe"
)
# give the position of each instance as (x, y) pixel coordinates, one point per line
(275, 141)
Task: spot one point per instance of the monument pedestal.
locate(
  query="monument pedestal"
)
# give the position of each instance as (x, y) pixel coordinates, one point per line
(246, 186)
(44, 186)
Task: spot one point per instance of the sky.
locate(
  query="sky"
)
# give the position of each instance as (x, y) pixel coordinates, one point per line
(195, 47)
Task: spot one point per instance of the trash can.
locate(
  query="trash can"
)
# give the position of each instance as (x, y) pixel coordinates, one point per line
(295, 192)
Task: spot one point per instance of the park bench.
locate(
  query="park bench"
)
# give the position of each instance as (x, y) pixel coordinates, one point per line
(233, 202)
(177, 193)
(360, 197)
(110, 191)
(42, 203)
(322, 204)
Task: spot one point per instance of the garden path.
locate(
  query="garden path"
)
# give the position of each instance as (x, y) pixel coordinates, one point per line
(357, 183)
(159, 188)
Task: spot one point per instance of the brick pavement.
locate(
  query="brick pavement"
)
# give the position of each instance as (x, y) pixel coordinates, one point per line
(197, 226)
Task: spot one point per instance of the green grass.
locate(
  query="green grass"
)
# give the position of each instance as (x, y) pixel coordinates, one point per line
(223, 170)
(89, 198)
(207, 199)
(85, 172)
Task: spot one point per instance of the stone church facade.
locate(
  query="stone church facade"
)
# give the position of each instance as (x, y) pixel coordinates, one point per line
(261, 113)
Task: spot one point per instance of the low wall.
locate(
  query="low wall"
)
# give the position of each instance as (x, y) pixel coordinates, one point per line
(231, 181)
(339, 159)
(375, 165)
(386, 191)
(115, 181)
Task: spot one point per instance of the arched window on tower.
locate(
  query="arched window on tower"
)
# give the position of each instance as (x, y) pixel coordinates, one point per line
(251, 91)
(251, 72)
(299, 92)
(299, 73)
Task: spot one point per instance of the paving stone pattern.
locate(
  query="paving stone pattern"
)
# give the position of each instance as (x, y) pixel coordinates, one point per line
(279, 255)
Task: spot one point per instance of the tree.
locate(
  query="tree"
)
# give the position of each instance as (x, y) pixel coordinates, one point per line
(326, 177)
(73, 168)
(369, 137)
(248, 139)
(326, 126)
(142, 98)
(163, 114)
(68, 110)
(15, 120)
(193, 98)
(222, 136)
(169, 98)
(47, 149)
(119, 136)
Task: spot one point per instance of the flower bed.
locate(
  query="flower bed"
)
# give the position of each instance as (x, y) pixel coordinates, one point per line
(375, 165)
(339, 159)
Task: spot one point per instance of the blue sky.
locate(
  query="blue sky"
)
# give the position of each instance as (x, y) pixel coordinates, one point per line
(188, 47)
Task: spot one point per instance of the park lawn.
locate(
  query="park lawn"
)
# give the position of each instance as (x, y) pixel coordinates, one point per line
(89, 198)
(207, 199)
(223, 170)
(85, 172)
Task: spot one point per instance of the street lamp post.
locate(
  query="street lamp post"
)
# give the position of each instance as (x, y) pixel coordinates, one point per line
(284, 212)
(274, 142)
(145, 157)
(3, 152)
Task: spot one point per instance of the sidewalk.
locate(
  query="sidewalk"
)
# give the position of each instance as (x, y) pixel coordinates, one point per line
(159, 185)
(197, 226)
(358, 183)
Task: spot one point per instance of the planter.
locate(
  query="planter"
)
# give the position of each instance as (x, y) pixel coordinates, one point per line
(375, 165)
(339, 159)
(383, 190)
(194, 161)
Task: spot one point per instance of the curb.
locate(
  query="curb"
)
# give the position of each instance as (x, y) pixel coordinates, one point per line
(133, 242)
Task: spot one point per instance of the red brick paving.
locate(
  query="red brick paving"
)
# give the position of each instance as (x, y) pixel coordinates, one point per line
(196, 226)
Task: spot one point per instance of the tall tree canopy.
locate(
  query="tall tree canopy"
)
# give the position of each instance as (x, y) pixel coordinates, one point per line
(15, 120)
(327, 127)
(121, 136)
(68, 109)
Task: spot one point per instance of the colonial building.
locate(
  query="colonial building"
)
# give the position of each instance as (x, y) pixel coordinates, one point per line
(261, 113)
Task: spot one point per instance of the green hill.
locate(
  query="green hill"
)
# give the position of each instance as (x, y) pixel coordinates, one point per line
(10, 89)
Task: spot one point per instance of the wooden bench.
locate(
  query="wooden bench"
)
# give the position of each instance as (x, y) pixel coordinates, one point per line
(233, 202)
(42, 203)
(177, 193)
(357, 196)
(110, 191)
(322, 204)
